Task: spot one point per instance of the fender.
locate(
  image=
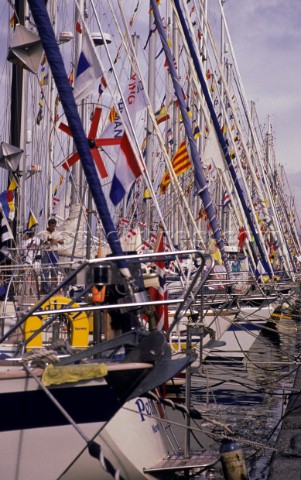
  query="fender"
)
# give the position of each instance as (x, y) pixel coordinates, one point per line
(79, 324)
(98, 294)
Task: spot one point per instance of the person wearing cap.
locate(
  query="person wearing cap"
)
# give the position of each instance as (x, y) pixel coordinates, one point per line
(50, 242)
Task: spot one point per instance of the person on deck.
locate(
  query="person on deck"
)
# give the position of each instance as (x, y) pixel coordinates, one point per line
(29, 246)
(236, 266)
(50, 241)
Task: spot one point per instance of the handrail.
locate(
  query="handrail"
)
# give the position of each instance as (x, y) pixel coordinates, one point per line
(183, 302)
(181, 310)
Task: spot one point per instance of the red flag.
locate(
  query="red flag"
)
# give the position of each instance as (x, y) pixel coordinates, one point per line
(242, 237)
(78, 27)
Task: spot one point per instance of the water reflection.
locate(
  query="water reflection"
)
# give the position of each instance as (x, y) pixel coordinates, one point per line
(271, 334)
(251, 396)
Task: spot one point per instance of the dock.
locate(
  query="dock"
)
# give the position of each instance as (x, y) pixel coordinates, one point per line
(286, 462)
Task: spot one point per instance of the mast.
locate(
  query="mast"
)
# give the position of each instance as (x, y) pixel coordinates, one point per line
(17, 87)
(175, 212)
(200, 180)
(18, 109)
(149, 125)
(79, 181)
(76, 168)
(51, 132)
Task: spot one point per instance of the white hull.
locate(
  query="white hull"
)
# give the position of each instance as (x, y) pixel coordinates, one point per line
(258, 314)
(41, 453)
(46, 453)
(237, 330)
(218, 321)
(238, 341)
(38, 443)
(131, 441)
(28, 451)
(243, 332)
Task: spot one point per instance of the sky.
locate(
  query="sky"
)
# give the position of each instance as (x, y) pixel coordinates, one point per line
(266, 37)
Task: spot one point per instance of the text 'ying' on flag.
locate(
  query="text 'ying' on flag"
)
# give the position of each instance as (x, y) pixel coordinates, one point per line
(128, 167)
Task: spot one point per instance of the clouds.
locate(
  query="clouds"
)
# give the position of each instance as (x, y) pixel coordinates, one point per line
(266, 37)
(267, 41)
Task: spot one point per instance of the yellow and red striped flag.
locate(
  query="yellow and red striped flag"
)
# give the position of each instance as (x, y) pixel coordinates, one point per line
(180, 163)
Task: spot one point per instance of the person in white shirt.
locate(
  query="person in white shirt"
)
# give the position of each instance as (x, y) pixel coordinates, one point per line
(50, 241)
(29, 246)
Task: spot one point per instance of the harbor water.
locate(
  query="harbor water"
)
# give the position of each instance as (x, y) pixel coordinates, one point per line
(246, 400)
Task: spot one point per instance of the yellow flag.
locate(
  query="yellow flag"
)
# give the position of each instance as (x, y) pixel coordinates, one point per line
(32, 221)
(13, 184)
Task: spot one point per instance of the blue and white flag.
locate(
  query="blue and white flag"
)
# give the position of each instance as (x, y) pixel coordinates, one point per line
(127, 170)
(226, 199)
(5, 236)
(88, 70)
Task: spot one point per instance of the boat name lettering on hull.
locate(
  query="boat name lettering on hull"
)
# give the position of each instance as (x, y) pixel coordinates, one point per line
(146, 409)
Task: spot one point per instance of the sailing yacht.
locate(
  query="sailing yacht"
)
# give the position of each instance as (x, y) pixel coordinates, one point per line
(120, 176)
(73, 401)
